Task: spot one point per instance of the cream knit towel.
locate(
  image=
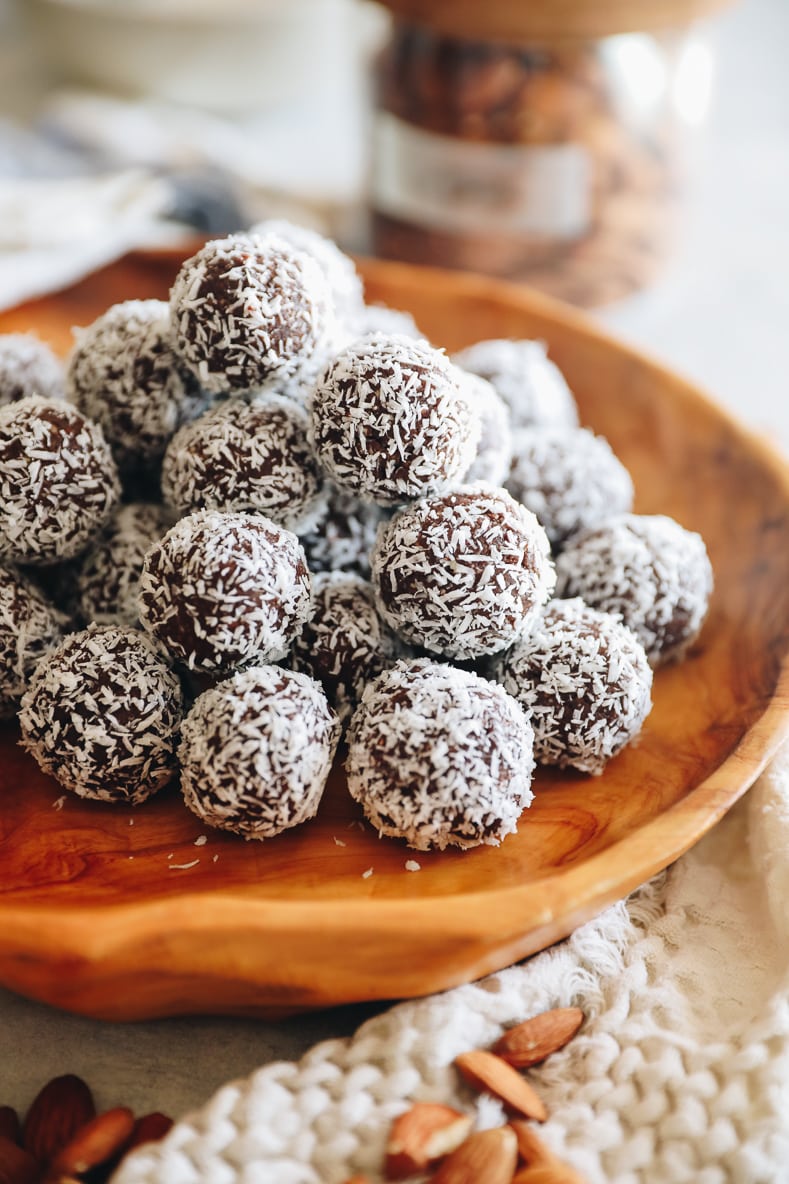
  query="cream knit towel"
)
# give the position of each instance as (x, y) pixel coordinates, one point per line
(680, 1073)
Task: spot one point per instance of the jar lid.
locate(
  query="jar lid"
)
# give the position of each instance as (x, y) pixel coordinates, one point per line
(549, 20)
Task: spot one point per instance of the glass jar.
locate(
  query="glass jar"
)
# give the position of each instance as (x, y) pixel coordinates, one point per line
(555, 162)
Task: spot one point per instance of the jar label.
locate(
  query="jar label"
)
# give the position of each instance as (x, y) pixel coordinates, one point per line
(458, 185)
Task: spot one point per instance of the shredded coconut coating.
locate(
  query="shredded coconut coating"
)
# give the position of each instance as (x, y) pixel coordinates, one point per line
(649, 571)
(224, 590)
(246, 309)
(345, 644)
(124, 373)
(109, 576)
(58, 481)
(494, 451)
(28, 367)
(570, 479)
(584, 680)
(344, 537)
(532, 386)
(339, 270)
(373, 319)
(29, 627)
(247, 455)
(440, 757)
(102, 715)
(390, 420)
(464, 574)
(256, 751)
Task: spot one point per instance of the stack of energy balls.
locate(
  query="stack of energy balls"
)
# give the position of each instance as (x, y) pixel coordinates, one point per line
(265, 514)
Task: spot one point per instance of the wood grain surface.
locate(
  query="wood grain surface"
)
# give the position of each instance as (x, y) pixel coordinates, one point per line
(97, 912)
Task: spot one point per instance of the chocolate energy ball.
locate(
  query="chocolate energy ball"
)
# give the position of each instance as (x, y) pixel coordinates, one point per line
(124, 373)
(28, 367)
(373, 319)
(570, 479)
(345, 644)
(463, 574)
(102, 715)
(649, 571)
(440, 757)
(247, 309)
(344, 537)
(225, 590)
(584, 680)
(256, 751)
(29, 627)
(247, 455)
(531, 385)
(339, 270)
(109, 575)
(58, 481)
(494, 451)
(390, 420)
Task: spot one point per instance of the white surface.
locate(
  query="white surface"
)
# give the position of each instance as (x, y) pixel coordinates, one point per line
(721, 316)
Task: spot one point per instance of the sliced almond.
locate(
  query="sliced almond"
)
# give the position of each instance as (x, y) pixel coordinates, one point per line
(58, 1110)
(17, 1166)
(425, 1133)
(98, 1141)
(485, 1071)
(486, 1157)
(535, 1039)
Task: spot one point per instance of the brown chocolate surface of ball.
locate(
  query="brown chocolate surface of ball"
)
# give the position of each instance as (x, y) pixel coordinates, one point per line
(58, 481)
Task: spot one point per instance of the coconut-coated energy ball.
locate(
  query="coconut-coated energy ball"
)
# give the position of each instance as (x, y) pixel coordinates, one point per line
(532, 386)
(440, 757)
(224, 590)
(494, 450)
(339, 270)
(585, 682)
(247, 455)
(28, 367)
(246, 310)
(344, 537)
(256, 751)
(463, 574)
(58, 481)
(345, 644)
(109, 575)
(102, 714)
(379, 318)
(124, 374)
(649, 571)
(29, 627)
(569, 478)
(391, 421)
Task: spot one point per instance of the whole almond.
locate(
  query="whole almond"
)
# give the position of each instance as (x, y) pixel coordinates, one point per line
(99, 1140)
(553, 1173)
(10, 1127)
(485, 1071)
(17, 1166)
(486, 1157)
(535, 1039)
(425, 1133)
(56, 1113)
(149, 1129)
(543, 1166)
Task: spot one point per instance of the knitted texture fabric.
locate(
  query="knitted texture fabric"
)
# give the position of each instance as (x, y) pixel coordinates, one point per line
(679, 1074)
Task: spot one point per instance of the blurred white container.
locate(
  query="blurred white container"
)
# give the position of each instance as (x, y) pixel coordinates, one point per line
(225, 56)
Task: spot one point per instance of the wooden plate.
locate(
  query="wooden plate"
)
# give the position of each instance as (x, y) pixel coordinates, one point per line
(120, 913)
